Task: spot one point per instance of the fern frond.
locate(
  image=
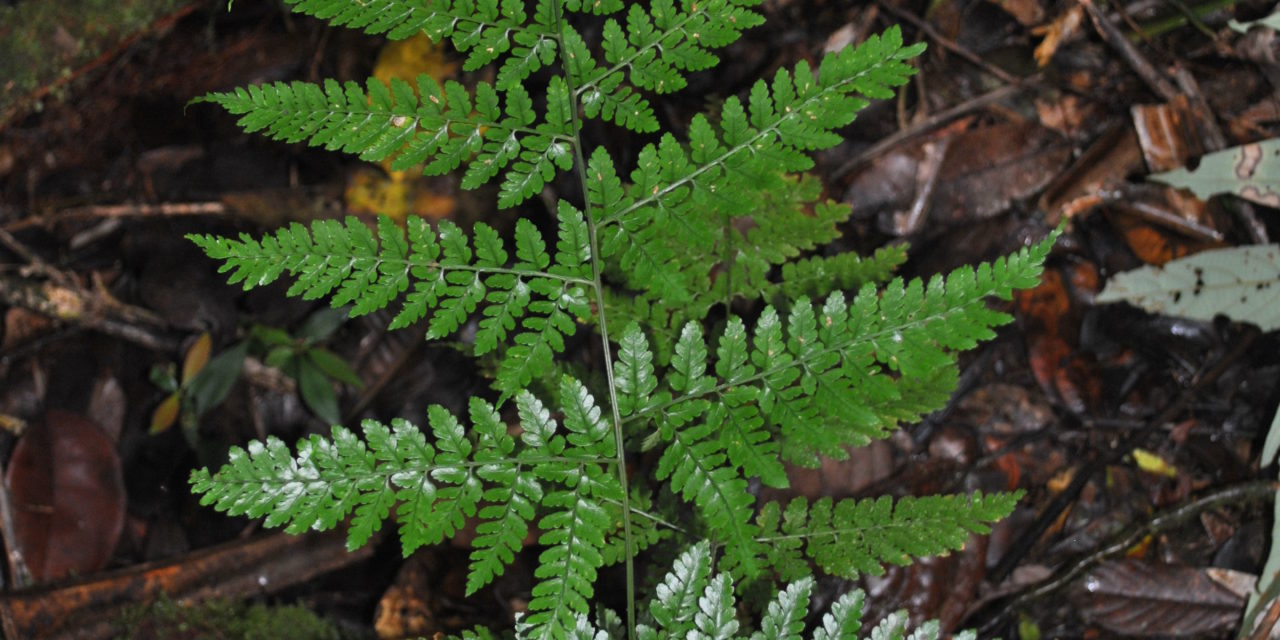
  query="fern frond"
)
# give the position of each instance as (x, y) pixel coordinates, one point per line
(441, 127)
(818, 379)
(653, 52)
(716, 618)
(736, 164)
(439, 484)
(845, 618)
(809, 386)
(633, 375)
(676, 597)
(690, 602)
(483, 29)
(510, 498)
(852, 537)
(443, 273)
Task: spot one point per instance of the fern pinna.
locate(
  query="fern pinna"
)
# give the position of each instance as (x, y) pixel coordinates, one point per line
(723, 217)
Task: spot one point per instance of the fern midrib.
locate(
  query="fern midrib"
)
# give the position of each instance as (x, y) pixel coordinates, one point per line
(651, 517)
(831, 532)
(597, 286)
(437, 267)
(797, 361)
(328, 478)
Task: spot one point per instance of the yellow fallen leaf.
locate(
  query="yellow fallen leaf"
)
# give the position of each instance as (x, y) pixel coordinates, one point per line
(166, 413)
(396, 194)
(197, 356)
(1154, 464)
(371, 192)
(407, 58)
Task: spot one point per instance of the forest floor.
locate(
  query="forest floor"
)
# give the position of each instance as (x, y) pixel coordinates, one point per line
(1136, 437)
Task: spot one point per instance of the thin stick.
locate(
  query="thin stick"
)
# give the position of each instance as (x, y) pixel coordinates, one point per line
(1129, 53)
(950, 45)
(924, 126)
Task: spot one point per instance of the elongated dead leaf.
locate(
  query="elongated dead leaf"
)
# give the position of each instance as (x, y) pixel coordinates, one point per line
(1139, 599)
(197, 357)
(166, 413)
(1240, 283)
(1251, 171)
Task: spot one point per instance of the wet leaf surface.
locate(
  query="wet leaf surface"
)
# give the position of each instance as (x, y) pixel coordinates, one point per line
(68, 496)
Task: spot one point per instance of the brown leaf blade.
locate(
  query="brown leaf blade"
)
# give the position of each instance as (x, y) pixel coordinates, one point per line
(1142, 599)
(68, 496)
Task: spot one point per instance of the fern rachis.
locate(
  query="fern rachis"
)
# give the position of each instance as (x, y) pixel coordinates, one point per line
(794, 382)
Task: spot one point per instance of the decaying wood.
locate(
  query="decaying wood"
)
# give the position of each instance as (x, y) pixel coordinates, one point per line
(84, 609)
(89, 308)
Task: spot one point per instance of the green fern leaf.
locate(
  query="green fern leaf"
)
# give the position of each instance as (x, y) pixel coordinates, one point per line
(573, 247)
(509, 501)
(689, 603)
(850, 537)
(818, 277)
(537, 301)
(439, 485)
(633, 375)
(398, 19)
(442, 129)
(658, 45)
(784, 617)
(845, 618)
(716, 618)
(796, 115)
(892, 627)
(694, 465)
(609, 97)
(749, 445)
(574, 531)
(675, 599)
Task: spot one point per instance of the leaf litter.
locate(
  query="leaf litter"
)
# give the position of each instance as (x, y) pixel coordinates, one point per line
(1078, 143)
